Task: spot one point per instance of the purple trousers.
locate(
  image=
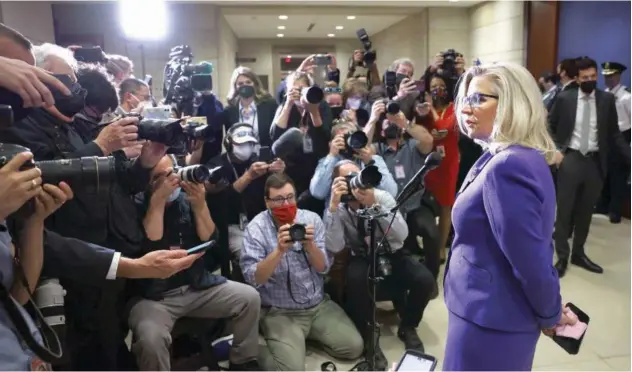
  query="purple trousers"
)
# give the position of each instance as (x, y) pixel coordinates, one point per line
(470, 347)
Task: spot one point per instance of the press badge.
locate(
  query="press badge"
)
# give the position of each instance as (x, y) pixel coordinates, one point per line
(308, 146)
(399, 172)
(441, 150)
(243, 221)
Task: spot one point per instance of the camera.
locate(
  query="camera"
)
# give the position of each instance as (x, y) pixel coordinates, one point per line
(313, 94)
(185, 81)
(88, 174)
(49, 299)
(170, 132)
(449, 61)
(369, 177)
(369, 55)
(297, 232)
(353, 142)
(198, 174)
(90, 55)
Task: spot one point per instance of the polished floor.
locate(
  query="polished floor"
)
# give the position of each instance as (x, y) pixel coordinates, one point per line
(606, 298)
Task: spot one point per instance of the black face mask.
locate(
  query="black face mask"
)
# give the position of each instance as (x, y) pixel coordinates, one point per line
(392, 132)
(246, 91)
(72, 104)
(588, 86)
(542, 89)
(336, 111)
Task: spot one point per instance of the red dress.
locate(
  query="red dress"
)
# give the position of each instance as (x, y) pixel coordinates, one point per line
(441, 182)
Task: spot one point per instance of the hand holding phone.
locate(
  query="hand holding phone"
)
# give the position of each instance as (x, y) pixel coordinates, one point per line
(568, 336)
(201, 248)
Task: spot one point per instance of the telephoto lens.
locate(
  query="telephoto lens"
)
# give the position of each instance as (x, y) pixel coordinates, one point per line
(90, 174)
(313, 94)
(194, 173)
(353, 142)
(168, 132)
(368, 177)
(297, 232)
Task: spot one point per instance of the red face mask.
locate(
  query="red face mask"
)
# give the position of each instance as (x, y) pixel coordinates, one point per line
(285, 214)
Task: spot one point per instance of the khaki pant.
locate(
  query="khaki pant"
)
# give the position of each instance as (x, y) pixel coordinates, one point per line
(152, 321)
(286, 331)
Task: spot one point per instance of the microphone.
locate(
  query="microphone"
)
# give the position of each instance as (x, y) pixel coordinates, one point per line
(416, 183)
(289, 142)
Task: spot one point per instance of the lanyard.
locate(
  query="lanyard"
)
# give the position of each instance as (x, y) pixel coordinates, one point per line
(253, 116)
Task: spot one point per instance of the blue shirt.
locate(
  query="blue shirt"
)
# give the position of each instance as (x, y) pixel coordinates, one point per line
(320, 185)
(306, 284)
(14, 354)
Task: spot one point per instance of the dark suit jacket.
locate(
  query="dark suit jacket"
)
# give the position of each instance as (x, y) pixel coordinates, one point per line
(562, 123)
(266, 110)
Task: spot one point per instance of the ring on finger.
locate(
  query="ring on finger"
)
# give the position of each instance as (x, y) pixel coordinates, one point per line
(33, 184)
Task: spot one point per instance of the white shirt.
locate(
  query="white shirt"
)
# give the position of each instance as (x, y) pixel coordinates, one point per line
(577, 132)
(548, 93)
(251, 118)
(623, 100)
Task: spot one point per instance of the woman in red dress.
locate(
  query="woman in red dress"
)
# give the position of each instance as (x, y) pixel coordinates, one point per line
(441, 182)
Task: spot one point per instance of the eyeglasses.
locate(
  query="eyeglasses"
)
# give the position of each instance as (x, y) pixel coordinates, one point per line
(474, 100)
(329, 90)
(279, 200)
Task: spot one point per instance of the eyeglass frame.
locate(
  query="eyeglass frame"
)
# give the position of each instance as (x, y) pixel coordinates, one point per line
(280, 200)
(467, 100)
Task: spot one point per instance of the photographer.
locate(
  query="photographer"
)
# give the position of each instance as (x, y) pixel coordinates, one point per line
(359, 69)
(238, 196)
(313, 119)
(133, 95)
(176, 216)
(346, 230)
(284, 257)
(100, 100)
(320, 184)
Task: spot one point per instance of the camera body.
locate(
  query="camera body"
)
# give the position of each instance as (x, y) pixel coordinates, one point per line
(367, 178)
(369, 55)
(449, 62)
(185, 81)
(353, 142)
(297, 232)
(171, 132)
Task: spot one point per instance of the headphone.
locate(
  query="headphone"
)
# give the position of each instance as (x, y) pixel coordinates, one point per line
(228, 141)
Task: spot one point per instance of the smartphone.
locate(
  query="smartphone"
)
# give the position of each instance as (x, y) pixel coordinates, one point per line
(265, 154)
(89, 55)
(158, 113)
(201, 248)
(322, 60)
(413, 360)
(420, 85)
(571, 345)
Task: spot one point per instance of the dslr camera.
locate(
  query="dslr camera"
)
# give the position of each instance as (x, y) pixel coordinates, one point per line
(354, 142)
(185, 81)
(170, 132)
(198, 174)
(297, 232)
(449, 62)
(367, 178)
(369, 55)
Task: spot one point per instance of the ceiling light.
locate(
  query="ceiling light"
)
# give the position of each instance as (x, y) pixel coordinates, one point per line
(330, 35)
(339, 27)
(453, 1)
(283, 17)
(351, 17)
(281, 27)
(280, 35)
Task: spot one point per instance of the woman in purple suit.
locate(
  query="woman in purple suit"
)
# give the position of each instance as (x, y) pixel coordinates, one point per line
(501, 288)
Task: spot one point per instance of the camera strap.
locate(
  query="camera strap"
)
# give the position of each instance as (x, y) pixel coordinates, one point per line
(52, 351)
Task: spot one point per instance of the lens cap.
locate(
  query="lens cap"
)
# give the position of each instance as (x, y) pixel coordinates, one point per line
(358, 140)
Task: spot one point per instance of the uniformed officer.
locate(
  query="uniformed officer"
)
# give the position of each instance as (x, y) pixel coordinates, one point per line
(616, 185)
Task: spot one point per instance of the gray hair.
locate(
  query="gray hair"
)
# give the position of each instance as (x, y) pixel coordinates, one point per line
(401, 61)
(46, 50)
(117, 64)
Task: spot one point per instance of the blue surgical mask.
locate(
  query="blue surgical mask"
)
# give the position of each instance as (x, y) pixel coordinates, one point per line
(174, 195)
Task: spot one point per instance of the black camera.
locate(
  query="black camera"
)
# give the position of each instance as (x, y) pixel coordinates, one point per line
(313, 94)
(185, 81)
(170, 132)
(198, 174)
(85, 175)
(369, 55)
(297, 232)
(449, 61)
(369, 177)
(354, 142)
(90, 55)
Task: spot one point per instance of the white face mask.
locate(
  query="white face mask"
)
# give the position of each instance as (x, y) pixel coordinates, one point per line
(354, 103)
(243, 152)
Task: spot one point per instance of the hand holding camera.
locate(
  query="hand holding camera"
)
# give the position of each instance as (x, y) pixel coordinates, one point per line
(165, 185)
(151, 154)
(408, 86)
(284, 239)
(338, 189)
(399, 119)
(118, 135)
(196, 194)
(16, 186)
(337, 144)
(365, 155)
(50, 200)
(438, 62)
(293, 96)
(258, 169)
(277, 166)
(379, 108)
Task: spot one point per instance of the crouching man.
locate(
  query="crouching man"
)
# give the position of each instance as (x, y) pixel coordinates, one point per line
(176, 216)
(287, 262)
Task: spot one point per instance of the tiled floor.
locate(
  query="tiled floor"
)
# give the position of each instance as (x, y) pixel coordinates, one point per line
(606, 298)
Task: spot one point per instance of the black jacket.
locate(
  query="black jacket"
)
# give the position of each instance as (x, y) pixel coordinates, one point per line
(266, 109)
(106, 219)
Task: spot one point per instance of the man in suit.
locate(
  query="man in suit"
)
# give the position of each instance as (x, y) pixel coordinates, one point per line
(584, 125)
(550, 89)
(567, 72)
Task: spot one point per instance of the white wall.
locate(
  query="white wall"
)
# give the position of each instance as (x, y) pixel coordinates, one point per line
(19, 15)
(497, 31)
(226, 61)
(200, 31)
(448, 28)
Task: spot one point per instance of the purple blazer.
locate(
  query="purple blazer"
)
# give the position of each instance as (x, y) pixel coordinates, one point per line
(500, 273)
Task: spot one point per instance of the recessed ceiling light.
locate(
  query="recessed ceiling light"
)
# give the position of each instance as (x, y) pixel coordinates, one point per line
(350, 17)
(331, 35)
(289, 56)
(453, 1)
(280, 35)
(283, 17)
(281, 27)
(339, 27)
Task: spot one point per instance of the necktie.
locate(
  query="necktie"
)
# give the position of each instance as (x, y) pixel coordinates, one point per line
(584, 138)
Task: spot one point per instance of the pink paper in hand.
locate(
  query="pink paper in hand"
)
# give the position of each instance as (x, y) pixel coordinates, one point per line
(573, 331)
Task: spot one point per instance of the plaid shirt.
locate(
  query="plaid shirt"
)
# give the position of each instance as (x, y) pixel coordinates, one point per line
(306, 284)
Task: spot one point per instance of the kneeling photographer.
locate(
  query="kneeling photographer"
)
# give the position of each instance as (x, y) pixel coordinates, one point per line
(404, 276)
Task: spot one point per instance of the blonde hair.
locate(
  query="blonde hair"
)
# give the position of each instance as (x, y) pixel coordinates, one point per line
(402, 61)
(354, 86)
(298, 76)
(521, 118)
(260, 93)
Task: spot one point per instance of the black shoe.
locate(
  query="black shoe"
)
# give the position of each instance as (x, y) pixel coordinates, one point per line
(381, 364)
(410, 338)
(585, 263)
(251, 365)
(561, 266)
(614, 218)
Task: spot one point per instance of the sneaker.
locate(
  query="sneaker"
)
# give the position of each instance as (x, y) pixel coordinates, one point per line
(251, 365)
(410, 338)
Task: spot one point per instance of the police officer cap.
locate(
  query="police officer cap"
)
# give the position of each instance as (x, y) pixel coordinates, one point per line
(610, 68)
